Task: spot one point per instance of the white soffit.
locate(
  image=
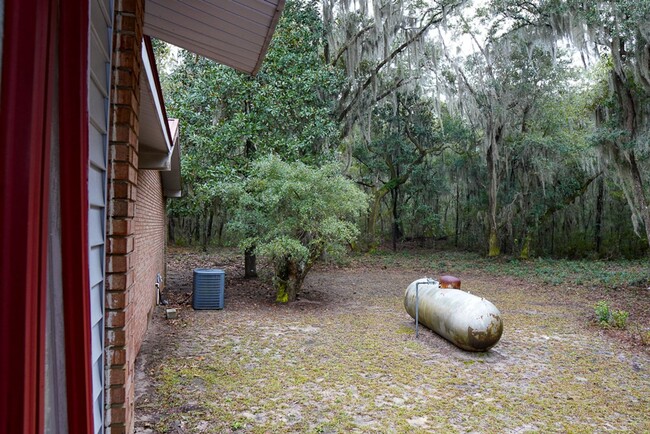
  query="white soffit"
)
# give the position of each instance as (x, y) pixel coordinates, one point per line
(155, 139)
(171, 179)
(235, 33)
(159, 137)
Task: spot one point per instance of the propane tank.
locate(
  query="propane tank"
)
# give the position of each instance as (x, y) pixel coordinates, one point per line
(469, 322)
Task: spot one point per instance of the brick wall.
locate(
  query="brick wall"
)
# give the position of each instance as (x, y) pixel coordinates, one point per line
(149, 253)
(123, 178)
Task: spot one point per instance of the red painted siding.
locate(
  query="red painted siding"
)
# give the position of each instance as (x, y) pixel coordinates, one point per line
(73, 136)
(24, 136)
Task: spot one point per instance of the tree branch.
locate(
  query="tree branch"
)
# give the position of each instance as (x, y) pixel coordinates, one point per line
(436, 18)
(345, 47)
(567, 200)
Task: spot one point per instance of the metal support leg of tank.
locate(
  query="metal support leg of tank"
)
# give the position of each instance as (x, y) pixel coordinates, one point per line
(417, 302)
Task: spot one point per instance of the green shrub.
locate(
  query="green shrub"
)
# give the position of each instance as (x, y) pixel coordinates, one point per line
(293, 214)
(603, 312)
(619, 319)
(607, 317)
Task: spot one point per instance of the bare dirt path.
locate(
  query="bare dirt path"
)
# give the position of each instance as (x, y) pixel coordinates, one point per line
(344, 358)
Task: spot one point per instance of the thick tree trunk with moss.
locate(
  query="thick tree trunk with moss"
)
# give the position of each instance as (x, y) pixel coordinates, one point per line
(288, 281)
(493, 244)
(632, 108)
(625, 160)
(494, 248)
(640, 197)
(290, 275)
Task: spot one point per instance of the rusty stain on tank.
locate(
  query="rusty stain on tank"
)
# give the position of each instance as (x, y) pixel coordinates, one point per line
(484, 340)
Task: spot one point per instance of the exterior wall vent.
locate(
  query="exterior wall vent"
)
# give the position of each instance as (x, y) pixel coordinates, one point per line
(208, 288)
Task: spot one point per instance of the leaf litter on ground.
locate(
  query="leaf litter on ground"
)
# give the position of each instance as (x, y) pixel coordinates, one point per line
(344, 357)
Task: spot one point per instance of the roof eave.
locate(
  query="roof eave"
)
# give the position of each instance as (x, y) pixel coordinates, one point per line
(156, 141)
(269, 36)
(171, 179)
(233, 33)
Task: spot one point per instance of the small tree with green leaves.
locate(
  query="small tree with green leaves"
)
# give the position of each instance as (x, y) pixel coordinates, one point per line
(292, 214)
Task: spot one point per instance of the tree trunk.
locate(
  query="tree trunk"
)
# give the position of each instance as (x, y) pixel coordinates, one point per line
(638, 192)
(208, 235)
(170, 231)
(457, 214)
(203, 233)
(598, 232)
(493, 241)
(630, 109)
(528, 221)
(397, 233)
(396, 180)
(250, 263)
(290, 275)
(493, 244)
(553, 235)
(222, 224)
(207, 231)
(196, 230)
(525, 248)
(288, 281)
(374, 214)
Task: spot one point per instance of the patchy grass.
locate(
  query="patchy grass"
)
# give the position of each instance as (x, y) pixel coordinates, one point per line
(345, 358)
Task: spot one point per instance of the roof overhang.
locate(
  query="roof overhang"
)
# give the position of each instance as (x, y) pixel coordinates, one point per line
(155, 147)
(171, 179)
(158, 147)
(235, 33)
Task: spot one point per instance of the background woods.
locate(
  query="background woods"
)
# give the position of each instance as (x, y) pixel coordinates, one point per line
(502, 127)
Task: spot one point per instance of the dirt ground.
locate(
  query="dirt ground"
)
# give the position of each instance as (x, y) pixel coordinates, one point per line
(344, 357)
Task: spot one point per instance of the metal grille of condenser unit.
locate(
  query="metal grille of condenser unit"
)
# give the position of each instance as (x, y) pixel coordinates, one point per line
(208, 288)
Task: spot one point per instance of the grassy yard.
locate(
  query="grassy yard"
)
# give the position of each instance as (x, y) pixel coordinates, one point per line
(344, 358)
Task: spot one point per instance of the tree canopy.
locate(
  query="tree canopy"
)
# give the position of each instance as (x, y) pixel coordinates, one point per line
(501, 126)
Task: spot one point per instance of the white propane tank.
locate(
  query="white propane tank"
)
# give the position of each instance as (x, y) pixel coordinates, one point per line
(469, 322)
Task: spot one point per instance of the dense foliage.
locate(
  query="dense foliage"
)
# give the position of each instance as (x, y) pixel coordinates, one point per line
(293, 214)
(229, 118)
(505, 127)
